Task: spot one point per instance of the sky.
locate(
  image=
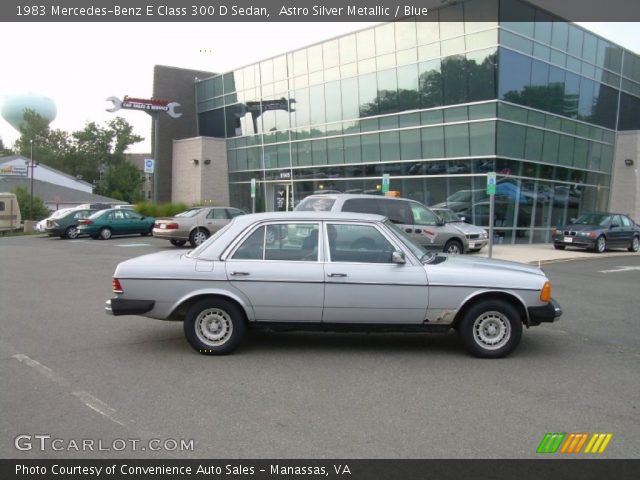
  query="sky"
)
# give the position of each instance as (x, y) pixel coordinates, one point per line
(79, 65)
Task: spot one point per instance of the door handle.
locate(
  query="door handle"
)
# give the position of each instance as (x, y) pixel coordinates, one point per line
(336, 274)
(240, 273)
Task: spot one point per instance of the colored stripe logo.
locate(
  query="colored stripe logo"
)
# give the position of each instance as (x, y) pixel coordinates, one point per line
(569, 443)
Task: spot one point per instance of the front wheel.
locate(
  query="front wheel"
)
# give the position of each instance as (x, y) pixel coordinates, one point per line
(635, 244)
(454, 247)
(491, 329)
(214, 326)
(601, 244)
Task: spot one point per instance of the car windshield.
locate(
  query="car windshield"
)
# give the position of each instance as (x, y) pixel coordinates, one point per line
(448, 216)
(593, 219)
(192, 212)
(415, 248)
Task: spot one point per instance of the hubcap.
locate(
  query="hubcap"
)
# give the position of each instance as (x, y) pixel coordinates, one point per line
(491, 330)
(106, 234)
(636, 244)
(453, 248)
(73, 232)
(199, 237)
(601, 244)
(213, 327)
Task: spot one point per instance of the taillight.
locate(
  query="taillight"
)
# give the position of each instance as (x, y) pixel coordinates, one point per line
(115, 284)
(171, 226)
(85, 222)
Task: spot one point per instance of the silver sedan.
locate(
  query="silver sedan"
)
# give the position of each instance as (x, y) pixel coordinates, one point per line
(332, 272)
(194, 225)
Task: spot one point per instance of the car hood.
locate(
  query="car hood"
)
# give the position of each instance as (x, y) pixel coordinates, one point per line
(466, 228)
(157, 265)
(484, 272)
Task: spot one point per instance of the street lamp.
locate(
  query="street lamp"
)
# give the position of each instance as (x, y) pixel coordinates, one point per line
(31, 165)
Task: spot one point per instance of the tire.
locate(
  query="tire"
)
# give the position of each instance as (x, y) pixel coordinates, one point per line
(178, 243)
(71, 232)
(453, 247)
(214, 326)
(635, 244)
(491, 329)
(601, 244)
(198, 236)
(105, 233)
(559, 247)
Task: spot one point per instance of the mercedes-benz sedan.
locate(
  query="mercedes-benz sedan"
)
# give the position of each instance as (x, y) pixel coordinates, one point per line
(333, 272)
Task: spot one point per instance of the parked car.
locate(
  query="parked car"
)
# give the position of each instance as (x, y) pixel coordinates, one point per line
(194, 225)
(41, 226)
(236, 281)
(462, 200)
(66, 225)
(10, 217)
(426, 227)
(598, 232)
(477, 237)
(115, 221)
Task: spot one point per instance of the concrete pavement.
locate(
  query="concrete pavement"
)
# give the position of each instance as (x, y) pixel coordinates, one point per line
(540, 253)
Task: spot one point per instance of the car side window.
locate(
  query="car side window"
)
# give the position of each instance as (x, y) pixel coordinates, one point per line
(358, 243)
(217, 214)
(397, 211)
(131, 215)
(252, 248)
(625, 221)
(363, 205)
(118, 215)
(422, 216)
(232, 212)
(292, 242)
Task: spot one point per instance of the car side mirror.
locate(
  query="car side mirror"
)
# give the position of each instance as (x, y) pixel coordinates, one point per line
(440, 222)
(398, 257)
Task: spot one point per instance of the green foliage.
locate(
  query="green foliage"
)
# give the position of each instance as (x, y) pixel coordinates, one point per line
(23, 196)
(4, 152)
(95, 154)
(160, 210)
(122, 181)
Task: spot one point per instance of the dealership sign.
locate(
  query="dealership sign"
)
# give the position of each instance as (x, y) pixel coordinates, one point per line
(14, 170)
(149, 105)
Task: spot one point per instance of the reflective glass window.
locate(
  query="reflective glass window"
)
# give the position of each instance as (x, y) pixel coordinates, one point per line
(550, 147)
(516, 42)
(316, 102)
(560, 35)
(303, 153)
(581, 154)
(533, 145)
(300, 62)
(319, 152)
(629, 112)
(385, 39)
(430, 83)
(410, 144)
(279, 68)
(433, 142)
(451, 21)
(555, 97)
(333, 101)
(480, 14)
(368, 92)
(565, 152)
(352, 149)
(482, 138)
(576, 39)
(350, 98)
(366, 44)
(387, 91)
(405, 34)
(314, 58)
(335, 150)
(389, 146)
(606, 106)
(347, 48)
(408, 96)
(515, 75)
(456, 139)
(511, 140)
(330, 54)
(517, 16)
(301, 115)
(432, 117)
(454, 80)
(370, 147)
(542, 27)
(428, 32)
(587, 100)
(571, 95)
(481, 71)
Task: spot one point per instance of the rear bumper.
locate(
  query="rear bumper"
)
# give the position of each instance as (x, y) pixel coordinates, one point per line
(546, 314)
(121, 306)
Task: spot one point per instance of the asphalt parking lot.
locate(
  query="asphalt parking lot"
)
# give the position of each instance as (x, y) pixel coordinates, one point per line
(70, 371)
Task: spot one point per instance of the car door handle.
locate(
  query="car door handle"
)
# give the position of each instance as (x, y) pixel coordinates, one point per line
(240, 273)
(336, 274)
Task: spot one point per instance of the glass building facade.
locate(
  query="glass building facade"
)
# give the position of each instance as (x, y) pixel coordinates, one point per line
(436, 105)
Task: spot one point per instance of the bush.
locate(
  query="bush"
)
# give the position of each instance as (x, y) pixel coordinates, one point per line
(160, 209)
(40, 211)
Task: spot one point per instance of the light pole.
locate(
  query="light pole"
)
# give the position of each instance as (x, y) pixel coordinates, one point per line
(32, 166)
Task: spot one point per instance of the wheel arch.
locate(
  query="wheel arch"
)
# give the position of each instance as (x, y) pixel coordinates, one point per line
(195, 228)
(508, 297)
(180, 310)
(455, 238)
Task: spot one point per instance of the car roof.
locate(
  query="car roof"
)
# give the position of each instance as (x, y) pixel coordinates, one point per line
(354, 195)
(312, 216)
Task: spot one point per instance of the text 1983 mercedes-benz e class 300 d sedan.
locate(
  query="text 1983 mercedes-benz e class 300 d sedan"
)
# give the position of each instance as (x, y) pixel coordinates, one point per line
(332, 272)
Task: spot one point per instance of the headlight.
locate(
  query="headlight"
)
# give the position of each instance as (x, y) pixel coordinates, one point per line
(484, 234)
(591, 234)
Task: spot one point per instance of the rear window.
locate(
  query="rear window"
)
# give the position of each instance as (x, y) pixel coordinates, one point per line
(316, 204)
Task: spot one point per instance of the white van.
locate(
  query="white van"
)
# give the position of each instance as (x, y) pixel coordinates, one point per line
(10, 218)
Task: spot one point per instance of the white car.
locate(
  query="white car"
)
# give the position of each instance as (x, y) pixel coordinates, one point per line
(41, 226)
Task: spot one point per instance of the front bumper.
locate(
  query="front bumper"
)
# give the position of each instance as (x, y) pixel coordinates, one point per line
(477, 243)
(122, 306)
(548, 313)
(575, 241)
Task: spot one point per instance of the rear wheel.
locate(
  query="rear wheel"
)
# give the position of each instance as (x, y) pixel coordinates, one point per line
(454, 247)
(198, 237)
(71, 232)
(105, 233)
(635, 245)
(214, 326)
(178, 243)
(601, 244)
(491, 329)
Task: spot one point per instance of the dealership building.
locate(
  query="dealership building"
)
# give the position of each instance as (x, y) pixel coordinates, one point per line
(551, 107)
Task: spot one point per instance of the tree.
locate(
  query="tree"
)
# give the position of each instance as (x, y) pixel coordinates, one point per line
(4, 152)
(23, 196)
(122, 181)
